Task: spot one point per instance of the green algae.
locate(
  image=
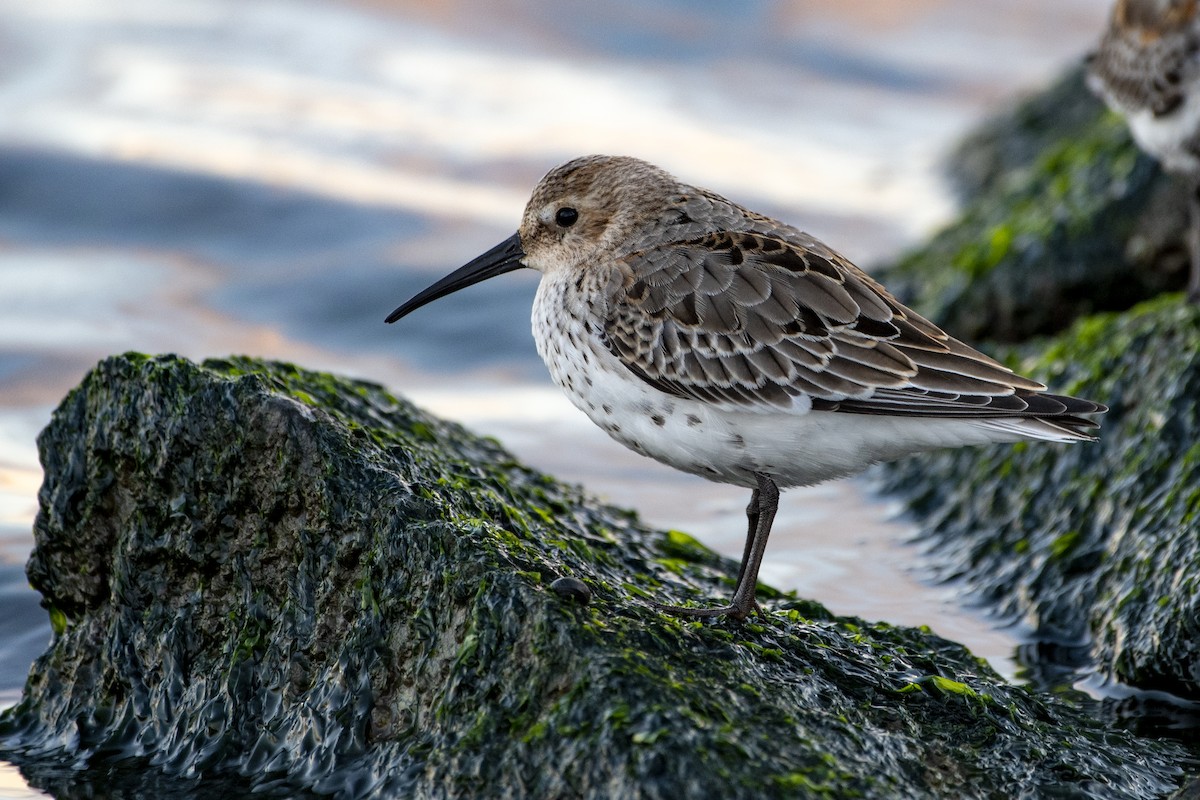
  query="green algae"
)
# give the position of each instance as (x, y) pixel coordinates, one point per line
(1063, 218)
(1091, 546)
(1093, 542)
(307, 585)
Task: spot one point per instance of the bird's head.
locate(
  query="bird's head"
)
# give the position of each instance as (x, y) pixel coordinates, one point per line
(588, 205)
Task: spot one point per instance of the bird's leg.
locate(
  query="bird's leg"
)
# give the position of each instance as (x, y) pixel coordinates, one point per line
(1193, 240)
(751, 527)
(760, 515)
(767, 494)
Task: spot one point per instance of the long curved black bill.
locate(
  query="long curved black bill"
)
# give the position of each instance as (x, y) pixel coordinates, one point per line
(504, 257)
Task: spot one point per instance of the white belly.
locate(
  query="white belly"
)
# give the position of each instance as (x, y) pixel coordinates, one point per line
(728, 445)
(1169, 138)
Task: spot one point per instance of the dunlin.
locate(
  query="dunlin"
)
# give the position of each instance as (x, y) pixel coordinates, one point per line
(738, 348)
(1147, 68)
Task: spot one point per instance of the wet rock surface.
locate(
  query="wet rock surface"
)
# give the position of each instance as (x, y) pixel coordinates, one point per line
(1095, 548)
(267, 579)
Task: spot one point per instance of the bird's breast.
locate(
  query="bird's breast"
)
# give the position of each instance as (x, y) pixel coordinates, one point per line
(724, 445)
(1171, 138)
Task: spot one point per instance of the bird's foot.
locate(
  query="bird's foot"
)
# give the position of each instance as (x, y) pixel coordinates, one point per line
(733, 611)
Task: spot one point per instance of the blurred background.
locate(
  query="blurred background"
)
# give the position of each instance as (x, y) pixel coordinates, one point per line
(209, 177)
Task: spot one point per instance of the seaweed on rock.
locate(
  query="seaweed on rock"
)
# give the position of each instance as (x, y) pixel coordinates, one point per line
(1062, 217)
(1093, 545)
(304, 585)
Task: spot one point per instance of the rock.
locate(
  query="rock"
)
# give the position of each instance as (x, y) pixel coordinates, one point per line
(271, 580)
(1092, 546)
(1062, 217)
(1016, 137)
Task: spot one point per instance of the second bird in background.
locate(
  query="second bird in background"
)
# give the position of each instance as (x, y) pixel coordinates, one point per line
(1147, 67)
(736, 347)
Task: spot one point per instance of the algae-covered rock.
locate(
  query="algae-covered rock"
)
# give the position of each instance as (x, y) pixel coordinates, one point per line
(267, 579)
(1094, 545)
(1063, 216)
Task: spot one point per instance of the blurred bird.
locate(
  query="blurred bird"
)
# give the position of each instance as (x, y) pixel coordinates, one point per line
(738, 348)
(1147, 68)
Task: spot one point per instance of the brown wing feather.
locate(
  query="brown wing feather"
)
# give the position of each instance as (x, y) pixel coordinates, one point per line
(748, 319)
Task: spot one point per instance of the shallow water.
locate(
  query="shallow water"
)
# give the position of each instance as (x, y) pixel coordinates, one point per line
(209, 177)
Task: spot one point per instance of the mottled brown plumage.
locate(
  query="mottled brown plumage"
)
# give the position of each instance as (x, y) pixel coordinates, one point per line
(1147, 59)
(750, 319)
(1147, 67)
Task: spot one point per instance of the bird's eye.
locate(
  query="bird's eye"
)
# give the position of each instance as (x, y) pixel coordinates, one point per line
(566, 216)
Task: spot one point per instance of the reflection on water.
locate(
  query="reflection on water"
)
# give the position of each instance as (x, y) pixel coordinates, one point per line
(273, 178)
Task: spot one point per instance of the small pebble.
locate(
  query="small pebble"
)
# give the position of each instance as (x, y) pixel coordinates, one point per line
(572, 589)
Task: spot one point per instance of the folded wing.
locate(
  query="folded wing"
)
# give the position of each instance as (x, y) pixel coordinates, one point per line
(754, 321)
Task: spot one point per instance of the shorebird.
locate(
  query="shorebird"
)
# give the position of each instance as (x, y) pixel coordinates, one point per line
(736, 347)
(1147, 68)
